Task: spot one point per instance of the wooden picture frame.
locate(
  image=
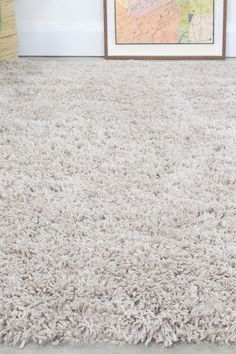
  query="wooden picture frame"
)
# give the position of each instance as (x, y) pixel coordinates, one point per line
(109, 54)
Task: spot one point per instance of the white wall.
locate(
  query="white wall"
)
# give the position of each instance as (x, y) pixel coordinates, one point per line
(75, 27)
(231, 39)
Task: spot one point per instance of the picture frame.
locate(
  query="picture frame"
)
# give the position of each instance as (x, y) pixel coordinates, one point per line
(124, 39)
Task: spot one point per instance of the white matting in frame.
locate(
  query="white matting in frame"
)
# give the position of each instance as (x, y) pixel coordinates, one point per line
(114, 48)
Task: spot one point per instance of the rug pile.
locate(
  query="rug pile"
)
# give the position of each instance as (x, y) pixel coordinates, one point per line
(118, 202)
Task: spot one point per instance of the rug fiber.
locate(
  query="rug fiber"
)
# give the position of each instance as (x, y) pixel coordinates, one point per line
(118, 202)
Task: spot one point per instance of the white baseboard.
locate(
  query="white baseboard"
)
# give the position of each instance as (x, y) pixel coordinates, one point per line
(76, 42)
(61, 43)
(231, 44)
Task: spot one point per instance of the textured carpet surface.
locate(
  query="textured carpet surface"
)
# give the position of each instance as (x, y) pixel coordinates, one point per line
(118, 202)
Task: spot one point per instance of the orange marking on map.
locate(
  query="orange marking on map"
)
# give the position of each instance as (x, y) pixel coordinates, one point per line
(157, 26)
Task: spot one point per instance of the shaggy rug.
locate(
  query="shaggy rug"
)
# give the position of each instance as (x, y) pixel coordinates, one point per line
(118, 202)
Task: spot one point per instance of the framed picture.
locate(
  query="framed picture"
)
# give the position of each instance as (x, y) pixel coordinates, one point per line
(165, 29)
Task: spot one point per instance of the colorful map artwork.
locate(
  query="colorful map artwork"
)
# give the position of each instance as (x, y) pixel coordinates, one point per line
(164, 21)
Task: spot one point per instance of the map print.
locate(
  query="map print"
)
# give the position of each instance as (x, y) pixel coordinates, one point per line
(164, 21)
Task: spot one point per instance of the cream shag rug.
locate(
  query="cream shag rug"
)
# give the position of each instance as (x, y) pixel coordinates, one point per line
(118, 202)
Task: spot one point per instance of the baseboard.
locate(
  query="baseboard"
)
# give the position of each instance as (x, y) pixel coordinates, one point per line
(61, 43)
(231, 44)
(76, 42)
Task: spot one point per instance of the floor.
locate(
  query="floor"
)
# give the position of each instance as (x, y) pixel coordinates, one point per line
(140, 349)
(79, 58)
(74, 59)
(96, 349)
